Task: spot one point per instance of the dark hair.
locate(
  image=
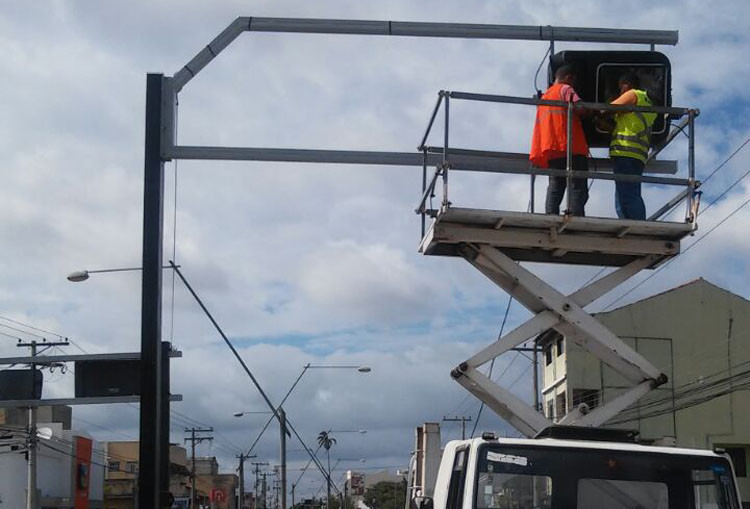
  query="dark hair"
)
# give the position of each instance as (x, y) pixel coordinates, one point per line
(564, 71)
(631, 78)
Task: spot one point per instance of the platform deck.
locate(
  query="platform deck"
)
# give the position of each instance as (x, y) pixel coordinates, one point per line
(533, 237)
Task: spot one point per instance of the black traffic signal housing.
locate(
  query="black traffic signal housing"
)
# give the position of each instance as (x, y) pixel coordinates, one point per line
(597, 74)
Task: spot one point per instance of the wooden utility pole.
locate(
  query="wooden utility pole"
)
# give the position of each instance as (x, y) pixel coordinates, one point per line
(463, 419)
(193, 439)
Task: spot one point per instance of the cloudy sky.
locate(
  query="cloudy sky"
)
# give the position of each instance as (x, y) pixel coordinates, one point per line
(308, 263)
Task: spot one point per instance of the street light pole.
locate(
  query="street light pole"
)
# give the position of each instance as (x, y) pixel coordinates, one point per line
(281, 416)
(282, 426)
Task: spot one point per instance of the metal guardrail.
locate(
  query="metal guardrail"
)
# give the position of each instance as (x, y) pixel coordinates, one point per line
(442, 169)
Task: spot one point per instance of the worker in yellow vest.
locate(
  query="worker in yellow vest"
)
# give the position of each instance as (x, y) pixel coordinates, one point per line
(631, 139)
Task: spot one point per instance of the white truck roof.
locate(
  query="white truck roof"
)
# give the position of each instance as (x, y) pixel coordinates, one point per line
(582, 444)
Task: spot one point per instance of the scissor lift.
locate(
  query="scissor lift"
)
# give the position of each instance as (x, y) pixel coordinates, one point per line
(496, 242)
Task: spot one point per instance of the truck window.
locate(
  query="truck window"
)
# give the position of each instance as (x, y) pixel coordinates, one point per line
(458, 479)
(533, 477)
(613, 494)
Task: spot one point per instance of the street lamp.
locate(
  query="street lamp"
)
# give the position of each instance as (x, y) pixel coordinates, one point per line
(82, 275)
(249, 412)
(282, 417)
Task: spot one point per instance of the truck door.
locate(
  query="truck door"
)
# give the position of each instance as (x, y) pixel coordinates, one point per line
(458, 479)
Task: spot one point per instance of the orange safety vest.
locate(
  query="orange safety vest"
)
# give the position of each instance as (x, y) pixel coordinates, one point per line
(549, 140)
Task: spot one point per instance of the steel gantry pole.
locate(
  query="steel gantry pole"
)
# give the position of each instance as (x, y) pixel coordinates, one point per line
(150, 447)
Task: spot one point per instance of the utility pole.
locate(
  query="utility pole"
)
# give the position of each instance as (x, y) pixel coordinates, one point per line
(242, 457)
(464, 419)
(263, 487)
(195, 440)
(535, 362)
(31, 500)
(282, 478)
(256, 471)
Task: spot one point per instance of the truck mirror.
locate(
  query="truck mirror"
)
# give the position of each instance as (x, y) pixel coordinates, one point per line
(421, 503)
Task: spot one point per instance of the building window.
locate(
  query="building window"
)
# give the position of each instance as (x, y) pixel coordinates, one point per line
(560, 407)
(739, 458)
(131, 467)
(548, 355)
(588, 396)
(113, 466)
(560, 346)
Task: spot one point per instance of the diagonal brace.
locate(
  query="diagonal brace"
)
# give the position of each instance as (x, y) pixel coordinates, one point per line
(586, 330)
(547, 319)
(506, 404)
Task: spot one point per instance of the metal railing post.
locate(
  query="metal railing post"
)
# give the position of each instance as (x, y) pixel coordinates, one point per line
(445, 150)
(531, 199)
(691, 167)
(569, 156)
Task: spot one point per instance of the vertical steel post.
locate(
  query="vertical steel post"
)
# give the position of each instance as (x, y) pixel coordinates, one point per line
(445, 150)
(691, 167)
(569, 156)
(153, 209)
(282, 429)
(166, 346)
(424, 186)
(531, 200)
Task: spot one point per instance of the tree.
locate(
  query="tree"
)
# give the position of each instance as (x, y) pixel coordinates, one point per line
(326, 441)
(386, 495)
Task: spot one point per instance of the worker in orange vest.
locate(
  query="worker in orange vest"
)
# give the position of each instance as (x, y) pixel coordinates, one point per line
(549, 144)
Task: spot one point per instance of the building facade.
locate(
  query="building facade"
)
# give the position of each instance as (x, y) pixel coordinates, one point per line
(698, 334)
(122, 474)
(70, 468)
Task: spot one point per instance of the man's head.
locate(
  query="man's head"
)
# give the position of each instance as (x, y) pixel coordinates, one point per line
(565, 74)
(628, 81)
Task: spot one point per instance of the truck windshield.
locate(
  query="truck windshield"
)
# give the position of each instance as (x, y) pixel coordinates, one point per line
(565, 478)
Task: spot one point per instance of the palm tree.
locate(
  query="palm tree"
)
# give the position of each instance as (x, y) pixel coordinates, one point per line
(326, 441)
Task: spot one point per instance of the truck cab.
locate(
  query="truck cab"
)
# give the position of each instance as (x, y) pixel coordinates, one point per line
(599, 472)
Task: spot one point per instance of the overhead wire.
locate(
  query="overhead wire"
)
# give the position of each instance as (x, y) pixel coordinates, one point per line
(492, 363)
(668, 263)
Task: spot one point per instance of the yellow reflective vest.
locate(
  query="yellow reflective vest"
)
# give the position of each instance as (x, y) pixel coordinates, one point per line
(632, 133)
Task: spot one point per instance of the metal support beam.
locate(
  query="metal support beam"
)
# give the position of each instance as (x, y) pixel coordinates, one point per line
(506, 404)
(417, 29)
(585, 329)
(461, 160)
(151, 439)
(56, 359)
(103, 400)
(611, 408)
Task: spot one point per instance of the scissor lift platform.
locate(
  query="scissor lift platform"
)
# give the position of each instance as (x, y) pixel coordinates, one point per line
(496, 241)
(531, 237)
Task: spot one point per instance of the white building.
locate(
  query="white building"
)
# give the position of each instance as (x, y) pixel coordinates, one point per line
(698, 334)
(69, 464)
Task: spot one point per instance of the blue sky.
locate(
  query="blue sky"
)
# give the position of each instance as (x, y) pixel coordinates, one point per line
(307, 263)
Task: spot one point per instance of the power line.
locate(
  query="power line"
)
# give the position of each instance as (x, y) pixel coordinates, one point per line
(492, 364)
(31, 327)
(731, 156)
(683, 253)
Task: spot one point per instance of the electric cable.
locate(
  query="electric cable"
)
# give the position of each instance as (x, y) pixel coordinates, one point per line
(683, 253)
(492, 363)
(536, 74)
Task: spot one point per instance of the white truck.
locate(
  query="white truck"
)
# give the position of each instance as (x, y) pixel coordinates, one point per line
(579, 468)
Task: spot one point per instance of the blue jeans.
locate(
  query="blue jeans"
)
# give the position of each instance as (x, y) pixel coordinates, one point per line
(579, 195)
(628, 201)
